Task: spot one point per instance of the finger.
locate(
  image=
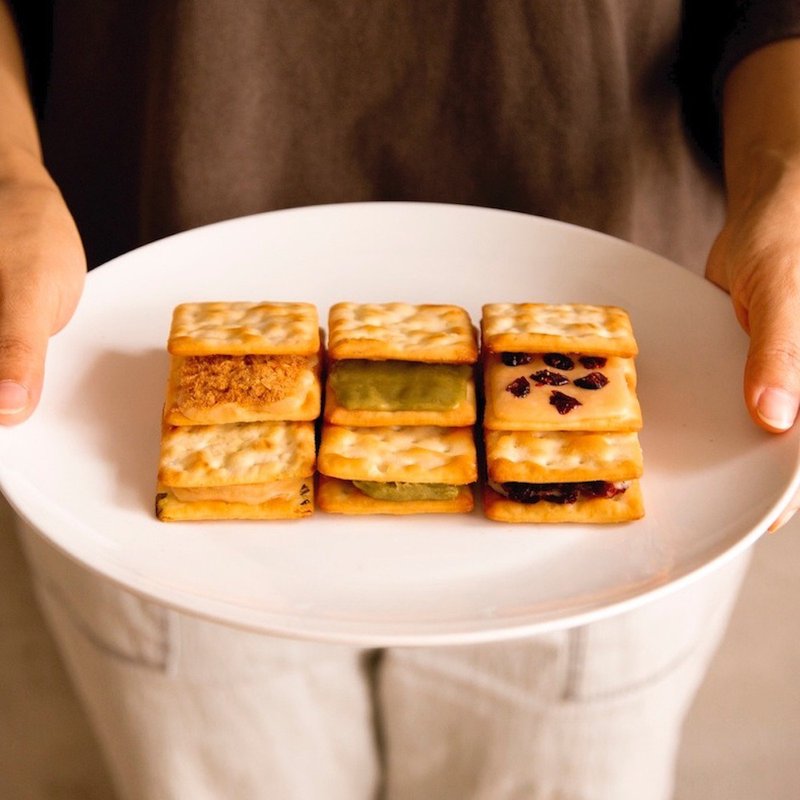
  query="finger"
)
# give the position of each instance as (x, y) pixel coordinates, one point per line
(772, 372)
(26, 323)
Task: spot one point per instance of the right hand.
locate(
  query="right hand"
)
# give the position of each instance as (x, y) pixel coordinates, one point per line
(42, 270)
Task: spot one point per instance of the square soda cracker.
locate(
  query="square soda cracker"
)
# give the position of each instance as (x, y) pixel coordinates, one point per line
(271, 388)
(239, 453)
(336, 496)
(565, 328)
(242, 328)
(624, 507)
(613, 407)
(412, 454)
(292, 500)
(555, 456)
(402, 332)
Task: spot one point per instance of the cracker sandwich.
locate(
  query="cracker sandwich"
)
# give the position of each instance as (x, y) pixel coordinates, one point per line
(562, 415)
(399, 403)
(242, 396)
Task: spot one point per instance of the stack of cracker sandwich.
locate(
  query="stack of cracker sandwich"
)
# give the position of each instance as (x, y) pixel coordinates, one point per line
(562, 415)
(238, 438)
(399, 409)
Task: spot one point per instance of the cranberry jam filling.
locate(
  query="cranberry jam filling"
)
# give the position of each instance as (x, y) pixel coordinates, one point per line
(562, 493)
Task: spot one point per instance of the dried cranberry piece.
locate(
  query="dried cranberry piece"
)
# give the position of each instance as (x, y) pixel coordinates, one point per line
(546, 378)
(592, 362)
(558, 361)
(528, 493)
(563, 402)
(594, 380)
(519, 387)
(515, 359)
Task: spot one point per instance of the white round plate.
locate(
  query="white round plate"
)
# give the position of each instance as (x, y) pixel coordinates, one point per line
(82, 470)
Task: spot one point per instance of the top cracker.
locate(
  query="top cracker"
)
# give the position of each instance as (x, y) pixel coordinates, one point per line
(402, 332)
(571, 328)
(241, 328)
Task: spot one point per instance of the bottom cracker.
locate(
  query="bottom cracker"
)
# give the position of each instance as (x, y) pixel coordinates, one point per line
(170, 509)
(341, 497)
(622, 508)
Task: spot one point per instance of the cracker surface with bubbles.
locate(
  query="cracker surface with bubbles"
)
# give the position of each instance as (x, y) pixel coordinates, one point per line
(566, 328)
(244, 328)
(556, 456)
(402, 331)
(415, 454)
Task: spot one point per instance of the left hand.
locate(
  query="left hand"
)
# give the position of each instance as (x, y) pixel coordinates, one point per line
(756, 258)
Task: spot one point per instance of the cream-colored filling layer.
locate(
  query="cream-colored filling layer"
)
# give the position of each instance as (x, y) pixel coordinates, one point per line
(253, 494)
(613, 407)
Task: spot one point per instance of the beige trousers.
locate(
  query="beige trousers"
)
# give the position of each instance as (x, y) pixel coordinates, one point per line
(187, 709)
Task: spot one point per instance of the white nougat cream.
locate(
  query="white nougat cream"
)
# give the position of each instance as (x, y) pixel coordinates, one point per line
(253, 494)
(614, 407)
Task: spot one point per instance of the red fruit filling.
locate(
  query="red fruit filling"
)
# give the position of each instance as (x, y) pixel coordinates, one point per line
(519, 387)
(546, 378)
(594, 380)
(562, 493)
(515, 359)
(592, 362)
(563, 402)
(558, 361)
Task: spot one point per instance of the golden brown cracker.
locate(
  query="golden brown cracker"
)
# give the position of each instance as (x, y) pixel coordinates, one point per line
(564, 328)
(241, 328)
(547, 456)
(415, 454)
(239, 453)
(402, 331)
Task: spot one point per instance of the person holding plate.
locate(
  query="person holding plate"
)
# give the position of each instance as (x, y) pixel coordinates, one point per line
(159, 117)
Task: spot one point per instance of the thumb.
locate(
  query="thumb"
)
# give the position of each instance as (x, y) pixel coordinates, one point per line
(772, 372)
(25, 327)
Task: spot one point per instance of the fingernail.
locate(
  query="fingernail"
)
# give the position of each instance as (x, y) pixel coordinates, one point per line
(14, 397)
(778, 408)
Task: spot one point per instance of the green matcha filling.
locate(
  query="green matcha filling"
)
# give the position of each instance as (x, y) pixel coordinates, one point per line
(399, 492)
(361, 385)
